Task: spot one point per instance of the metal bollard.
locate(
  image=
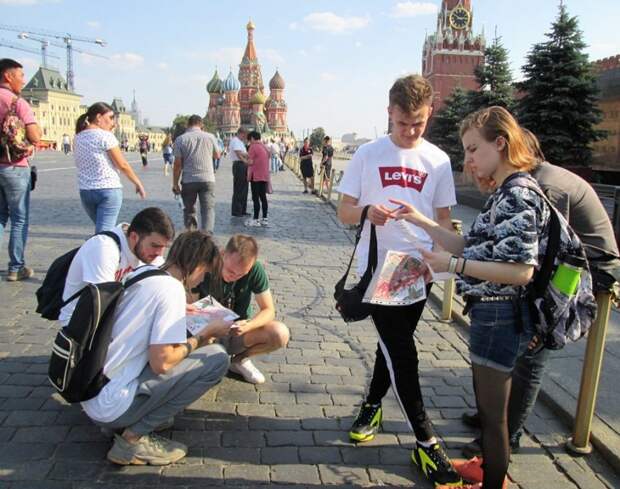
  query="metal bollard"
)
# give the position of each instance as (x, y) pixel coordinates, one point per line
(449, 285)
(321, 180)
(331, 185)
(592, 361)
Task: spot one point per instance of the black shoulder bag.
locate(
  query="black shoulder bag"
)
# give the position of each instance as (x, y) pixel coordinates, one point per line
(349, 301)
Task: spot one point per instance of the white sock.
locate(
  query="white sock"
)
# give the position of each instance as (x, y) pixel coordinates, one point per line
(428, 443)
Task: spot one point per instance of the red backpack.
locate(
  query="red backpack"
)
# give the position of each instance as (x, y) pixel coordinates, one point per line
(13, 143)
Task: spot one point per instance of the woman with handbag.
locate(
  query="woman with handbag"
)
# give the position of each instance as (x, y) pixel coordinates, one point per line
(493, 263)
(100, 162)
(258, 176)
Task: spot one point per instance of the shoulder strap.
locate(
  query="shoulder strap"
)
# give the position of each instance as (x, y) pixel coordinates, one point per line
(143, 275)
(542, 278)
(372, 255)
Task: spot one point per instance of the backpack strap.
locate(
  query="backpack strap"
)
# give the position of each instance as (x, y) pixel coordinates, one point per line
(543, 277)
(117, 240)
(146, 274)
(372, 248)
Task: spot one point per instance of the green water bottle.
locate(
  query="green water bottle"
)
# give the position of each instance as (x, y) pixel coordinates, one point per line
(566, 277)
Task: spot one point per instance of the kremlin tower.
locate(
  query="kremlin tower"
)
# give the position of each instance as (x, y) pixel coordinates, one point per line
(242, 102)
(451, 55)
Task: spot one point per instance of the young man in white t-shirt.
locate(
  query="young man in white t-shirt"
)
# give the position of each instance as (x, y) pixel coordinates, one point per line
(100, 259)
(401, 165)
(154, 370)
(239, 156)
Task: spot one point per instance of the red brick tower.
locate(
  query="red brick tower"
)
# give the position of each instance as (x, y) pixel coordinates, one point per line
(276, 106)
(250, 78)
(451, 55)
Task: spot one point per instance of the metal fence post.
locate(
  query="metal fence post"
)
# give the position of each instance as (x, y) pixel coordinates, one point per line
(321, 180)
(449, 285)
(331, 185)
(590, 375)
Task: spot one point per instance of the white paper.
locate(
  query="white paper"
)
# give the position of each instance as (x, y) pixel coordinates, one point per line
(207, 311)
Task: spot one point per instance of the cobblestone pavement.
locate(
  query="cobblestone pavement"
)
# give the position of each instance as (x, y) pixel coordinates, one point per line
(290, 430)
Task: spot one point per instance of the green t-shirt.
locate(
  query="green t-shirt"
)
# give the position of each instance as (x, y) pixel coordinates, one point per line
(237, 295)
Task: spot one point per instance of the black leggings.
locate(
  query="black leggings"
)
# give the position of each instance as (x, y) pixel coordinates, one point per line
(396, 364)
(492, 388)
(259, 195)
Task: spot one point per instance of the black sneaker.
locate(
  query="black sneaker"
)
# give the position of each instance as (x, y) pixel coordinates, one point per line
(367, 423)
(471, 419)
(474, 448)
(435, 465)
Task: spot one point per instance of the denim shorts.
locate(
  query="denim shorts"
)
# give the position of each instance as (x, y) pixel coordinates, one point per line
(496, 338)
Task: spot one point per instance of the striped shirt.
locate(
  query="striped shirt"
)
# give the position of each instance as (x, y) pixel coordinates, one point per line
(195, 148)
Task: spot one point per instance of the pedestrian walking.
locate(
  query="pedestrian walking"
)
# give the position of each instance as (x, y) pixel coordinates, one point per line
(401, 165)
(143, 147)
(494, 263)
(167, 153)
(239, 156)
(66, 144)
(99, 163)
(326, 161)
(15, 172)
(306, 166)
(258, 176)
(194, 152)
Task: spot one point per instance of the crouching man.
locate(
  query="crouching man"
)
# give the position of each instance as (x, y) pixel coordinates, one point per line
(252, 334)
(154, 370)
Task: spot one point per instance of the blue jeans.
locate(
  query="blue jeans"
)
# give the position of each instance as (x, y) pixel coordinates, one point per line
(15, 205)
(102, 206)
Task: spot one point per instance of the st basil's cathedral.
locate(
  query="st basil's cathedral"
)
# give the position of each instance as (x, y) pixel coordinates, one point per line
(241, 102)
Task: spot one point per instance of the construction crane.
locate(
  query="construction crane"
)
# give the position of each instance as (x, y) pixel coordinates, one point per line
(11, 45)
(45, 43)
(67, 39)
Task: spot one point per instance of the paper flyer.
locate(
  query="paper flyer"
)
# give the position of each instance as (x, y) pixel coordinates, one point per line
(400, 281)
(207, 310)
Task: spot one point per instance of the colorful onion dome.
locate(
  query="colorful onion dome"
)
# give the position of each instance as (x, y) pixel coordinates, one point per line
(215, 84)
(231, 84)
(258, 98)
(277, 82)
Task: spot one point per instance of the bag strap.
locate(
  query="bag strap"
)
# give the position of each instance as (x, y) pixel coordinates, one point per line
(117, 240)
(372, 255)
(543, 277)
(146, 274)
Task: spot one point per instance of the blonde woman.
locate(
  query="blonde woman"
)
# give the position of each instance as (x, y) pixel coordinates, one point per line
(495, 262)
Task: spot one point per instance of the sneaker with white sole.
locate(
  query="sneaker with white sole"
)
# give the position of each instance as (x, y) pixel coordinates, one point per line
(22, 274)
(248, 371)
(151, 449)
(110, 432)
(253, 223)
(264, 222)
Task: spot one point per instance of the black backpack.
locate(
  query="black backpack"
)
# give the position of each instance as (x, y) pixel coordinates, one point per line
(80, 348)
(49, 295)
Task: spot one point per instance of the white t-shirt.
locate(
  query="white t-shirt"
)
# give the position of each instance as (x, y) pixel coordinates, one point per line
(380, 171)
(95, 168)
(99, 260)
(151, 312)
(236, 144)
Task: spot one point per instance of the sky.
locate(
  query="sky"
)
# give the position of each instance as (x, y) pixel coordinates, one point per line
(338, 57)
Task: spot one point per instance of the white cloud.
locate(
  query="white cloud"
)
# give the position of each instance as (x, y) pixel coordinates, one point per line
(330, 22)
(162, 66)
(224, 58)
(93, 24)
(127, 60)
(271, 55)
(413, 9)
(326, 76)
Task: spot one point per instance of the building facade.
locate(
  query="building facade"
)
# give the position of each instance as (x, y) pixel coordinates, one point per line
(55, 106)
(241, 101)
(607, 151)
(453, 52)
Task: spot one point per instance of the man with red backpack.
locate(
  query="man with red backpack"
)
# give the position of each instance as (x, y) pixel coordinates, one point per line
(18, 130)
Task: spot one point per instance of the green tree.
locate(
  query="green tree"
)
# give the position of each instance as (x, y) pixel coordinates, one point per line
(559, 95)
(444, 129)
(316, 138)
(179, 125)
(494, 78)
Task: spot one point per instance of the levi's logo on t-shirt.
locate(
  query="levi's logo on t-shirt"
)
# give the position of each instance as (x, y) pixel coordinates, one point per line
(120, 273)
(403, 177)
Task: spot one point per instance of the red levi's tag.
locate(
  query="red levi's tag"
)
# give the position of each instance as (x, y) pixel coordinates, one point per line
(402, 177)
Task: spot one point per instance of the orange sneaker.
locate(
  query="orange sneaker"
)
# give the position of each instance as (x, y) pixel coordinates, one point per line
(471, 470)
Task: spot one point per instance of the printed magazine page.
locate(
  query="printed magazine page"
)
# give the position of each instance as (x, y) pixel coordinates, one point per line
(400, 281)
(207, 310)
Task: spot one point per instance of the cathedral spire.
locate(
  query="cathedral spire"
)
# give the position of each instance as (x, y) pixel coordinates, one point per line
(250, 49)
